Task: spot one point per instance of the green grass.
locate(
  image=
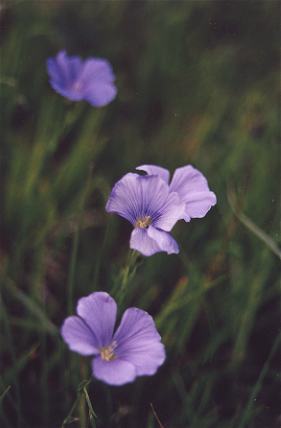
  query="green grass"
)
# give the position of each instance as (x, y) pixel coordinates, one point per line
(197, 83)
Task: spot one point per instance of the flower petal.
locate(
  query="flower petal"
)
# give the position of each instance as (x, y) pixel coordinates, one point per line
(100, 93)
(199, 203)
(64, 72)
(138, 342)
(91, 80)
(61, 69)
(115, 372)
(97, 80)
(135, 196)
(140, 241)
(164, 240)
(124, 198)
(78, 336)
(97, 69)
(192, 187)
(98, 310)
(155, 170)
(64, 69)
(172, 210)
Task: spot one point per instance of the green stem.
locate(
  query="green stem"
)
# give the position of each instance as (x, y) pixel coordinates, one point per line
(92, 414)
(100, 256)
(255, 391)
(71, 274)
(75, 244)
(10, 344)
(80, 393)
(126, 276)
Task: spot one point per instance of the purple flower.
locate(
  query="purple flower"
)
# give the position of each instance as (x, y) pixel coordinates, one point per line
(153, 210)
(191, 186)
(91, 80)
(135, 349)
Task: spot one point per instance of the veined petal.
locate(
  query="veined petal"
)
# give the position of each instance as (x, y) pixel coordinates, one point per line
(138, 342)
(171, 211)
(115, 372)
(155, 170)
(77, 334)
(98, 310)
(164, 240)
(135, 196)
(140, 241)
(199, 203)
(192, 187)
(125, 198)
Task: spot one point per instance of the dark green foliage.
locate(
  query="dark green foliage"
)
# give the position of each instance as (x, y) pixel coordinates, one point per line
(197, 83)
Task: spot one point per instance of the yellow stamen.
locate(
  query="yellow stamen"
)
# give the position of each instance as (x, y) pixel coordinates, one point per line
(143, 222)
(107, 353)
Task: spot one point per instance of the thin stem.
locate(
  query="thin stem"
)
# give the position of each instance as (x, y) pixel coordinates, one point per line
(255, 391)
(126, 275)
(75, 244)
(10, 343)
(71, 274)
(92, 414)
(156, 416)
(100, 255)
(249, 224)
(80, 391)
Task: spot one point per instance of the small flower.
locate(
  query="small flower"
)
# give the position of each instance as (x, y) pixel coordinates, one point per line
(191, 186)
(153, 210)
(91, 80)
(135, 349)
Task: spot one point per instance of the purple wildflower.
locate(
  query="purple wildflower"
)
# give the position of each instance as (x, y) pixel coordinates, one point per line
(153, 210)
(91, 80)
(191, 186)
(135, 349)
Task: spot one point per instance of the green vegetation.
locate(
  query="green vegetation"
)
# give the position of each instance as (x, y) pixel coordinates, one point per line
(197, 83)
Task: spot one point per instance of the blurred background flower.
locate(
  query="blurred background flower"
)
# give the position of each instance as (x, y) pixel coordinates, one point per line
(90, 80)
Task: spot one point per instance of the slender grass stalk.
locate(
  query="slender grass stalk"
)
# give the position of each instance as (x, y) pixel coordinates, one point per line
(82, 401)
(250, 225)
(100, 255)
(126, 275)
(10, 344)
(2, 395)
(71, 272)
(156, 416)
(75, 244)
(80, 391)
(248, 410)
(92, 414)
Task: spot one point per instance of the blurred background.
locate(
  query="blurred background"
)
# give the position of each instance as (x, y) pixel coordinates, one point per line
(198, 82)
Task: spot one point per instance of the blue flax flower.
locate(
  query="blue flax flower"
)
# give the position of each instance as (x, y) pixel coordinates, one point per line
(152, 209)
(135, 349)
(91, 80)
(191, 186)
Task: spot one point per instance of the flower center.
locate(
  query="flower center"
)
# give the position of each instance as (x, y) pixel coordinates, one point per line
(143, 222)
(107, 353)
